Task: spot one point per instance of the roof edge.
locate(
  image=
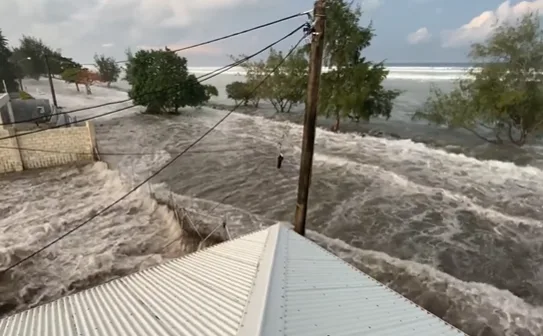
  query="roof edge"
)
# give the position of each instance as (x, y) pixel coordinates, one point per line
(264, 287)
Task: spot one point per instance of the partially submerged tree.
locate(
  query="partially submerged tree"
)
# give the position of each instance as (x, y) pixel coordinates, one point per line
(503, 98)
(108, 68)
(211, 91)
(128, 67)
(81, 76)
(286, 86)
(161, 82)
(352, 88)
(240, 92)
(7, 68)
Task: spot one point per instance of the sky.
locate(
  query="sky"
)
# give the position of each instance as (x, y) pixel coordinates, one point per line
(406, 30)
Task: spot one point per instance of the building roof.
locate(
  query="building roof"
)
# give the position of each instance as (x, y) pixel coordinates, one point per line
(272, 282)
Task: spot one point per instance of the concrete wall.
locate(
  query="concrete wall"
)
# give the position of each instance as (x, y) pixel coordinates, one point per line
(48, 148)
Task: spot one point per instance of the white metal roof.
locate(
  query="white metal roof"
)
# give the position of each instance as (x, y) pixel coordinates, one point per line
(272, 282)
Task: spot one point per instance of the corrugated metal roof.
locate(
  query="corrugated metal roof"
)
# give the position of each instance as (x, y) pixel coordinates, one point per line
(312, 292)
(204, 293)
(273, 282)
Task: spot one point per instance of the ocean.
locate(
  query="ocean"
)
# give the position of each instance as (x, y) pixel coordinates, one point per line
(453, 223)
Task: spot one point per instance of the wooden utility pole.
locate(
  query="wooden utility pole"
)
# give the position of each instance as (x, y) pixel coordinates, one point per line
(310, 118)
(50, 81)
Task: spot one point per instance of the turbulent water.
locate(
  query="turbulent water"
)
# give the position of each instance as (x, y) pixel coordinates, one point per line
(460, 235)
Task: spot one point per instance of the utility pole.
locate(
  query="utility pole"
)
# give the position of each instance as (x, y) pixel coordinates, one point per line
(310, 118)
(50, 81)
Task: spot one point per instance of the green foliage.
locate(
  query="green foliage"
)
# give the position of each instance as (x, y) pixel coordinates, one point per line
(353, 87)
(70, 75)
(108, 68)
(153, 74)
(7, 68)
(211, 91)
(503, 98)
(30, 58)
(284, 89)
(240, 92)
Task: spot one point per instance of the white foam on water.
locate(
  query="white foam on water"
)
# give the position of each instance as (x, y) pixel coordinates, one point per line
(39, 206)
(356, 180)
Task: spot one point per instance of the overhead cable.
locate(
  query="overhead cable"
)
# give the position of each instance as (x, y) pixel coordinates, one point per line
(72, 230)
(201, 78)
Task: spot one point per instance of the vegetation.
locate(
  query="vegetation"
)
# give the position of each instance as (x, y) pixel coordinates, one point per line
(503, 99)
(351, 89)
(211, 91)
(30, 58)
(108, 68)
(240, 92)
(81, 76)
(128, 68)
(284, 89)
(7, 68)
(151, 75)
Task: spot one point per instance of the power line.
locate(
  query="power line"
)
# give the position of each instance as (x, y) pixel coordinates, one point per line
(231, 35)
(163, 90)
(201, 78)
(213, 209)
(155, 173)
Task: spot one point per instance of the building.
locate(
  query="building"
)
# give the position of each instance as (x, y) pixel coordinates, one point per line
(271, 282)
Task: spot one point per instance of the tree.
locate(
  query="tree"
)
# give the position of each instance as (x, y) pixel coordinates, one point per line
(239, 92)
(211, 91)
(503, 96)
(81, 76)
(152, 73)
(353, 87)
(255, 72)
(7, 68)
(285, 87)
(108, 68)
(128, 69)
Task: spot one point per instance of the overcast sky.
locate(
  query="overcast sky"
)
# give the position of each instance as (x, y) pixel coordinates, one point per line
(407, 30)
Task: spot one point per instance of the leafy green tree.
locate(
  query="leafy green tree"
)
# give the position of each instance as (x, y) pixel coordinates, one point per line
(502, 100)
(353, 87)
(31, 54)
(108, 68)
(211, 91)
(240, 92)
(153, 73)
(287, 85)
(7, 68)
(71, 75)
(255, 72)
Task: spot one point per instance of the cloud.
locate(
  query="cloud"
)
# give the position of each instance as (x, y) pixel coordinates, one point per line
(481, 26)
(369, 5)
(78, 27)
(422, 35)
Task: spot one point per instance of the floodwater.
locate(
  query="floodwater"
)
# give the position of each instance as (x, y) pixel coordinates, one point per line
(453, 224)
